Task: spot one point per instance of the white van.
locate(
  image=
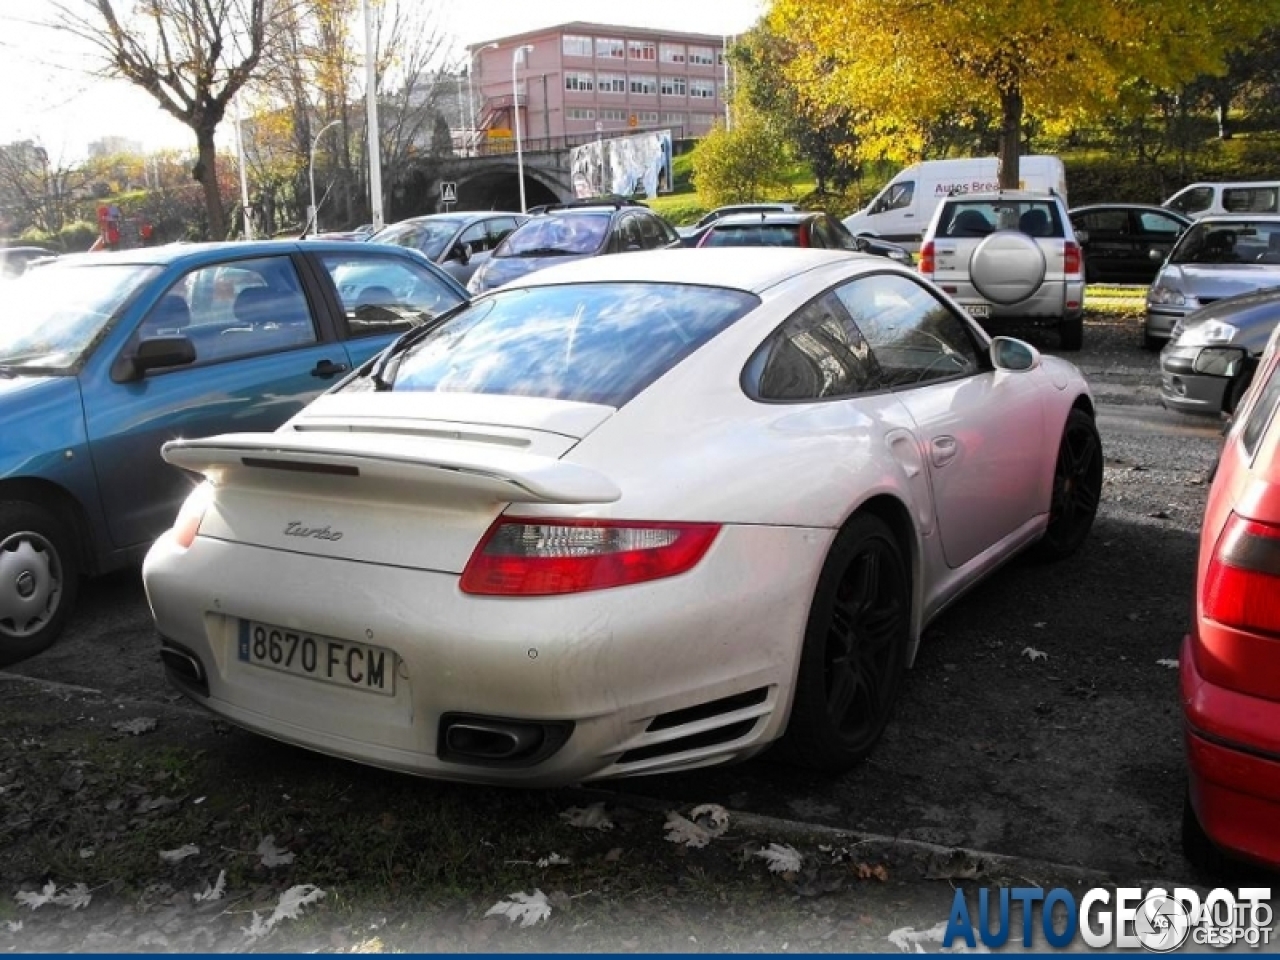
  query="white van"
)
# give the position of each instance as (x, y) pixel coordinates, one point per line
(1202, 199)
(903, 209)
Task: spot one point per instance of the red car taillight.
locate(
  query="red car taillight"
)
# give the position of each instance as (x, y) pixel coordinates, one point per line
(926, 258)
(1242, 584)
(542, 557)
(1071, 262)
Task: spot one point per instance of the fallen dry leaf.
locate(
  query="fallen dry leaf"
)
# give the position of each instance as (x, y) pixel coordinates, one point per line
(591, 817)
(1032, 654)
(781, 857)
(136, 726)
(180, 854)
(528, 908)
(273, 856)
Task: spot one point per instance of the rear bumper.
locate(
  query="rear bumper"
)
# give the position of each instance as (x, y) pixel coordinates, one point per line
(1235, 784)
(689, 671)
(1054, 301)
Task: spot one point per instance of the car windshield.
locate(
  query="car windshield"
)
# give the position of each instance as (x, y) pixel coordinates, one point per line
(1235, 241)
(592, 343)
(551, 235)
(429, 236)
(753, 235)
(55, 315)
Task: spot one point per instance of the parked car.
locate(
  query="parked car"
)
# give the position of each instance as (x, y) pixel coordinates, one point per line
(457, 242)
(106, 356)
(797, 229)
(14, 260)
(1211, 356)
(573, 231)
(556, 519)
(1125, 242)
(903, 210)
(691, 233)
(1216, 258)
(1009, 254)
(1209, 199)
(1230, 662)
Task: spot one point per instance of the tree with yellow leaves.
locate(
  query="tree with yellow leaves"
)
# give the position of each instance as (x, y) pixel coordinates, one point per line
(907, 62)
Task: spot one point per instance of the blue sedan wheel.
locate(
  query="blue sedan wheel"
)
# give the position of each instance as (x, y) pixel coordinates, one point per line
(38, 579)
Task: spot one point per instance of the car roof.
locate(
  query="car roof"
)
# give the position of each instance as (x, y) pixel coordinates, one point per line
(214, 252)
(1120, 205)
(737, 268)
(460, 216)
(1005, 195)
(1240, 218)
(766, 218)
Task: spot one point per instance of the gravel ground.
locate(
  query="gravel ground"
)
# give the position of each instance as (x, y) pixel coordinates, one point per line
(1073, 758)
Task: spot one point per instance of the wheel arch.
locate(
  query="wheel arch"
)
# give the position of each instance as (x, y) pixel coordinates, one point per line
(64, 505)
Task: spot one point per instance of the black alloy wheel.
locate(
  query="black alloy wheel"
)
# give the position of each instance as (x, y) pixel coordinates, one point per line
(855, 649)
(1077, 487)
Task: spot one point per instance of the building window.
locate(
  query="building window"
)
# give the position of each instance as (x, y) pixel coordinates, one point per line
(673, 53)
(643, 84)
(703, 119)
(647, 116)
(674, 87)
(720, 57)
(610, 49)
(702, 89)
(573, 46)
(702, 56)
(675, 119)
(611, 83)
(579, 81)
(614, 116)
(642, 50)
(580, 113)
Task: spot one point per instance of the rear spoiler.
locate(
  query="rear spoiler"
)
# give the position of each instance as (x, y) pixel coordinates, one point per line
(452, 467)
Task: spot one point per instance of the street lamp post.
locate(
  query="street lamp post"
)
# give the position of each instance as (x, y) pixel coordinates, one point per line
(515, 108)
(311, 176)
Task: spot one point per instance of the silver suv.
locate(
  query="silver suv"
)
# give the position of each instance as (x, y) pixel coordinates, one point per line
(1009, 254)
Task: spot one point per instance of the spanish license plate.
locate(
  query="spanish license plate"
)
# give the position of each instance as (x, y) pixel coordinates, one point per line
(341, 662)
(979, 311)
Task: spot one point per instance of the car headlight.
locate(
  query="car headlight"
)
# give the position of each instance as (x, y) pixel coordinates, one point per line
(1203, 334)
(1161, 295)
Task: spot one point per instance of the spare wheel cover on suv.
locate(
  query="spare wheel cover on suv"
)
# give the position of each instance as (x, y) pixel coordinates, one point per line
(1007, 267)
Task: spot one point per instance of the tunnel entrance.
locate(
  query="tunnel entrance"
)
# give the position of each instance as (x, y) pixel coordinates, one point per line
(500, 190)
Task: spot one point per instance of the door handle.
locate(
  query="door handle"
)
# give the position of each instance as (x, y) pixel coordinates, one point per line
(943, 450)
(327, 368)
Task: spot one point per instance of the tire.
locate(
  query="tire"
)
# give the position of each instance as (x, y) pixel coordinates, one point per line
(1071, 333)
(1077, 488)
(855, 650)
(39, 579)
(1153, 344)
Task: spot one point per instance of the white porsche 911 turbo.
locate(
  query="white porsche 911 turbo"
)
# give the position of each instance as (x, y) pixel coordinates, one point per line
(630, 515)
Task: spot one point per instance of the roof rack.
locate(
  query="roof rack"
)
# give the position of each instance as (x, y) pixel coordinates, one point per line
(609, 200)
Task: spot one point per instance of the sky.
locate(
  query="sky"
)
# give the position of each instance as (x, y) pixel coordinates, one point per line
(48, 97)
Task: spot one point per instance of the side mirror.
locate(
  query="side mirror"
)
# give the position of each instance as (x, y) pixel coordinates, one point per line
(462, 253)
(860, 244)
(154, 353)
(1014, 355)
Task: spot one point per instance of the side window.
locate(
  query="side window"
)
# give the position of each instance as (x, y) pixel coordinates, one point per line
(651, 233)
(498, 228)
(1193, 201)
(896, 196)
(235, 310)
(1159, 223)
(820, 236)
(914, 336)
(1249, 200)
(1105, 223)
(1262, 411)
(629, 235)
(818, 353)
(384, 294)
(478, 236)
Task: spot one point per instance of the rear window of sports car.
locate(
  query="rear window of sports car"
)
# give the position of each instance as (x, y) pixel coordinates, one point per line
(587, 342)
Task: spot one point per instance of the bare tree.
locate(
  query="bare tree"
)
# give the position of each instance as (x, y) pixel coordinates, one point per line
(192, 56)
(37, 189)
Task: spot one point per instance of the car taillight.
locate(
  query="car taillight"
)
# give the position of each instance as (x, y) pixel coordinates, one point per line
(187, 525)
(542, 557)
(1071, 257)
(1242, 585)
(926, 258)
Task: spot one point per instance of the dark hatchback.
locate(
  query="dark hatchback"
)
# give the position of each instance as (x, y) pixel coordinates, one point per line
(458, 242)
(1125, 242)
(573, 231)
(793, 229)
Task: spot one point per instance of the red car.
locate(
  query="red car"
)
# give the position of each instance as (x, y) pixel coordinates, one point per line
(1230, 664)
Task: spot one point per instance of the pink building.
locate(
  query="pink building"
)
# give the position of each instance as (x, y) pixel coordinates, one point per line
(581, 78)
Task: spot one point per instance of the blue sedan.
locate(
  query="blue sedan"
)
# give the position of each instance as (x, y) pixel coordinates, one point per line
(105, 356)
